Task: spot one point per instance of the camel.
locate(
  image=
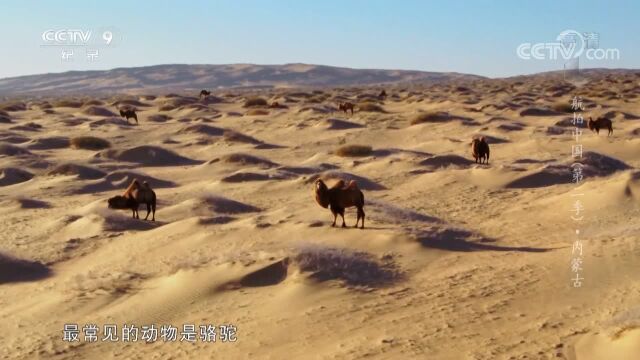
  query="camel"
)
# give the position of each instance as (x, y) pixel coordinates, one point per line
(129, 113)
(600, 123)
(135, 195)
(346, 106)
(383, 95)
(339, 197)
(205, 93)
(480, 150)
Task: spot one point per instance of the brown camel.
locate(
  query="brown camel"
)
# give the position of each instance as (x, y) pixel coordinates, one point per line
(204, 93)
(480, 150)
(339, 197)
(129, 113)
(600, 123)
(135, 195)
(346, 106)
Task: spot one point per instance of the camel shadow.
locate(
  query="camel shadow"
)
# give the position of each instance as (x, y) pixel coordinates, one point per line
(458, 240)
(19, 270)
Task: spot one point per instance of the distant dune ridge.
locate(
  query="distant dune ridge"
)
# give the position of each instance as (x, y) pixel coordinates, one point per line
(181, 77)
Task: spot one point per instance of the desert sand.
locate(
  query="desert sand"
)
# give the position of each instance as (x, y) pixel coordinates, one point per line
(457, 260)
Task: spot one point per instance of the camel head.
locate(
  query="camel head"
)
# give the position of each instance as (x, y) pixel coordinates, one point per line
(321, 192)
(591, 124)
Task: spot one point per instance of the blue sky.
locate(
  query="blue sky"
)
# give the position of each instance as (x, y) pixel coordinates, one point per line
(478, 37)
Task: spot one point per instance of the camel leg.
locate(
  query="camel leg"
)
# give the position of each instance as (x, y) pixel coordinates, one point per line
(153, 208)
(362, 216)
(335, 216)
(342, 215)
(148, 211)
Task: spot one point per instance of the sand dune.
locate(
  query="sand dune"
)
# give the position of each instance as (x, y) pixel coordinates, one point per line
(81, 171)
(147, 155)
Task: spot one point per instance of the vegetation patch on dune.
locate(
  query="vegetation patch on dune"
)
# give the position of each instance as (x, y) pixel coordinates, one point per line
(255, 101)
(246, 159)
(81, 171)
(257, 112)
(202, 129)
(159, 118)
(354, 268)
(13, 106)
(89, 143)
(370, 107)
(562, 107)
(234, 136)
(147, 155)
(434, 116)
(354, 151)
(93, 102)
(68, 103)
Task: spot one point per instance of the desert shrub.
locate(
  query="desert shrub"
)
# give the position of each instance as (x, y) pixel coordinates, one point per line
(562, 107)
(438, 116)
(370, 107)
(254, 112)
(166, 108)
(354, 150)
(93, 102)
(89, 143)
(355, 268)
(13, 106)
(98, 111)
(234, 136)
(70, 103)
(255, 101)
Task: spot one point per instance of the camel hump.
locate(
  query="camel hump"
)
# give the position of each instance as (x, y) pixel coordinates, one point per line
(339, 184)
(352, 185)
(130, 188)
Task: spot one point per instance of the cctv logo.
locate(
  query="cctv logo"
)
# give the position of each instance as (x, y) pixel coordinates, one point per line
(66, 37)
(568, 45)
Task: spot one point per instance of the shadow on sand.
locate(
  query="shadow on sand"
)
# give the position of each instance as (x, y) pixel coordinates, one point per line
(459, 240)
(18, 270)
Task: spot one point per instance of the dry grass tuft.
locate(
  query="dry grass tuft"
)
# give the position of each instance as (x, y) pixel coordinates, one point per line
(255, 101)
(354, 150)
(354, 268)
(371, 107)
(89, 143)
(426, 117)
(257, 112)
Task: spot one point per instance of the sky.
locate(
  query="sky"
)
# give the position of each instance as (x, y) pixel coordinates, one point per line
(477, 37)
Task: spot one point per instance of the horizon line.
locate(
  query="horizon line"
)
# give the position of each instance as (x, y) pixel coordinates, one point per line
(308, 64)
